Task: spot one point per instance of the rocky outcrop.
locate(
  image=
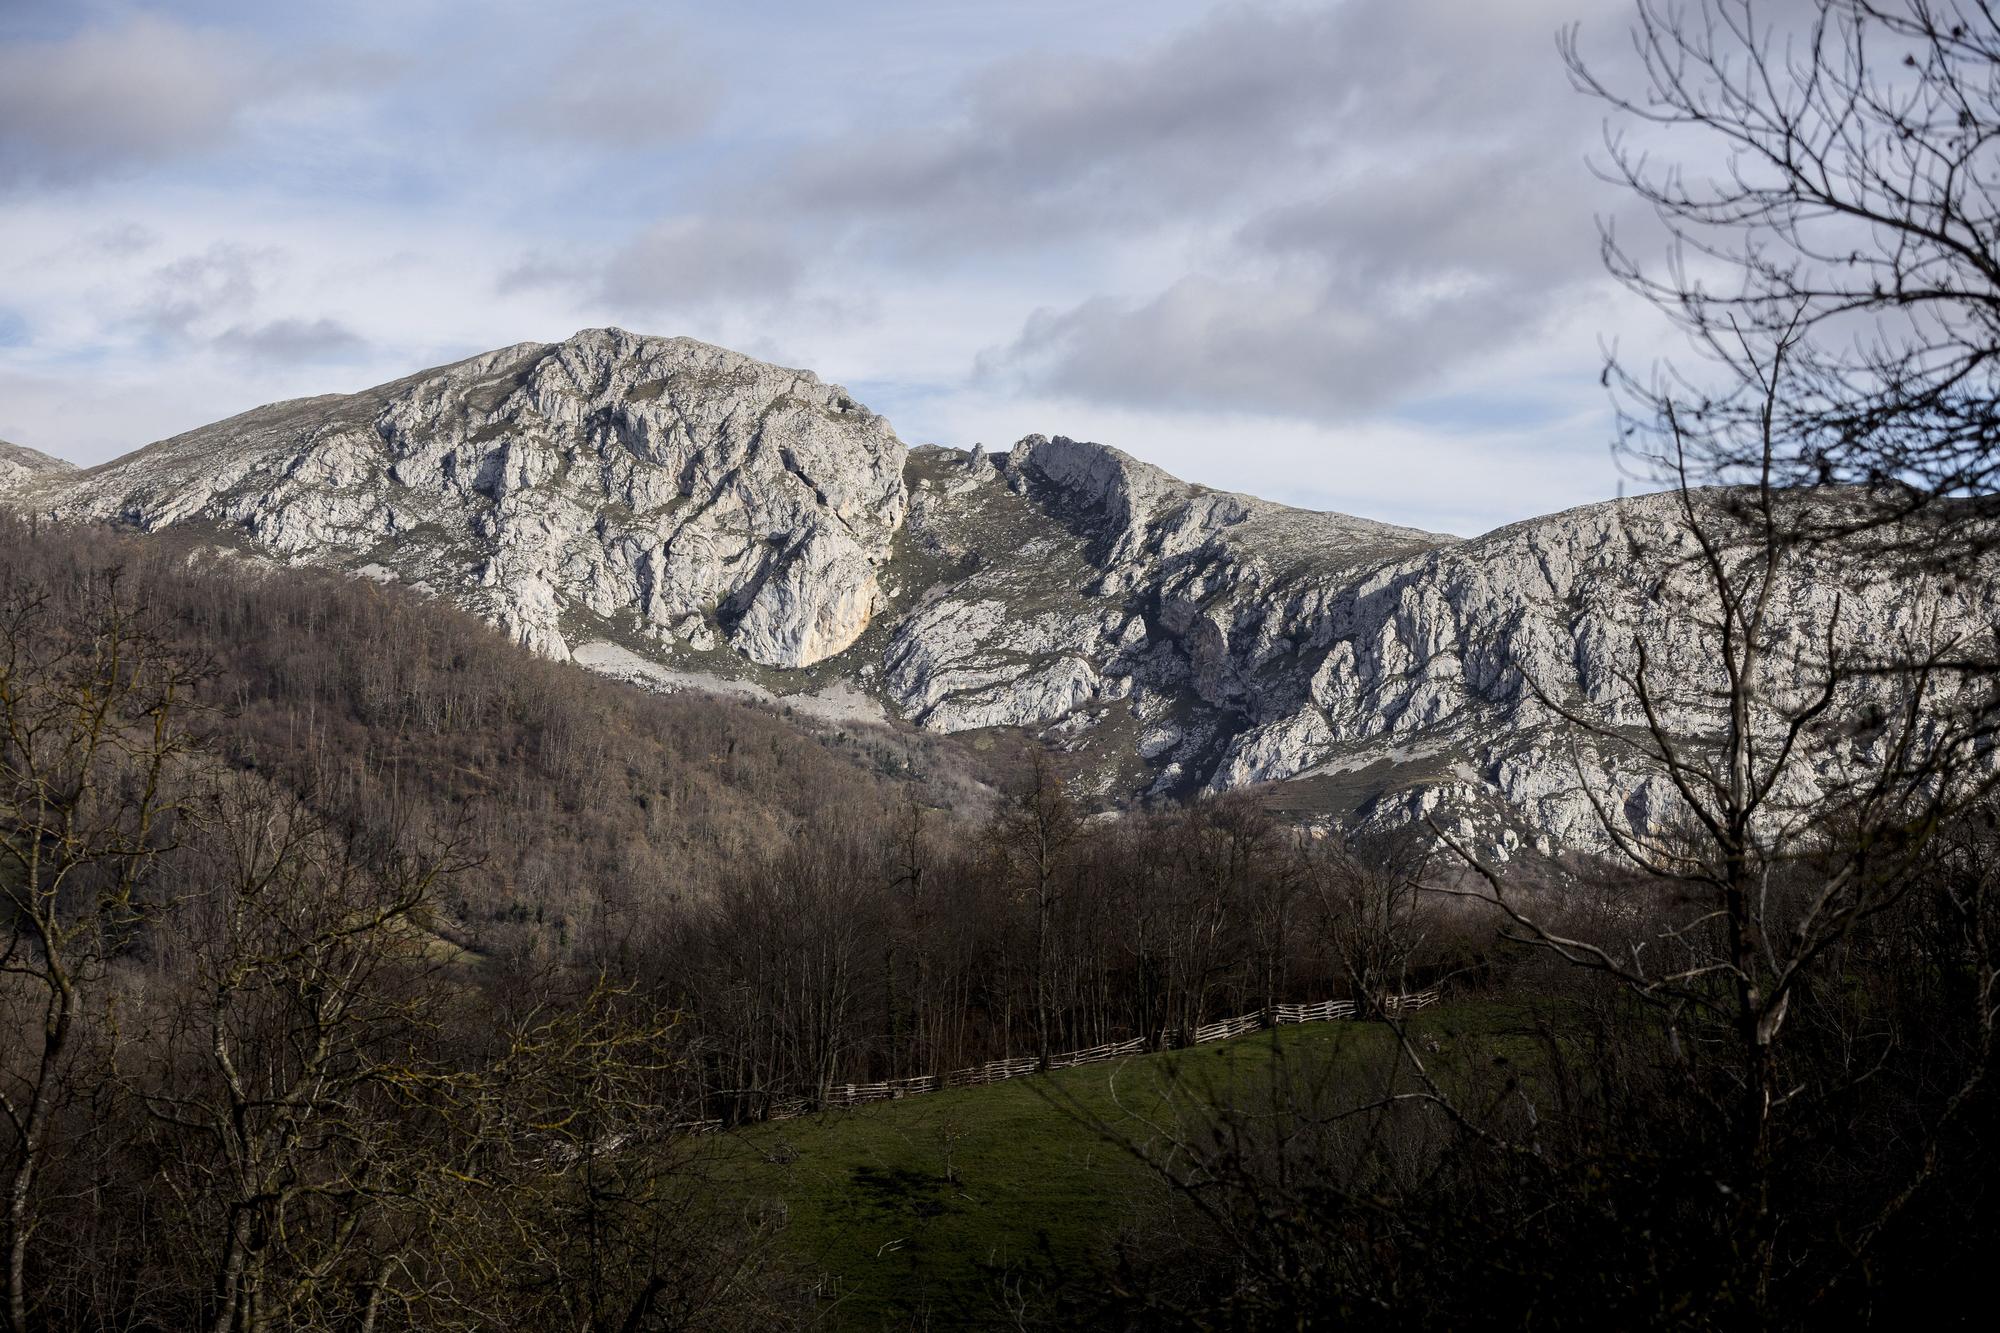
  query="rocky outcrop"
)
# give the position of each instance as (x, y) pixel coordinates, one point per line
(18, 465)
(1084, 577)
(1196, 640)
(677, 513)
(680, 492)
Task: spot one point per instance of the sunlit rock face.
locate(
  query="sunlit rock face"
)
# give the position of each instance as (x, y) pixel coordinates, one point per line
(19, 465)
(710, 517)
(677, 490)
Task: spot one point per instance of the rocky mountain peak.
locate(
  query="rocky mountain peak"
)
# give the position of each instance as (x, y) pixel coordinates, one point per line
(678, 491)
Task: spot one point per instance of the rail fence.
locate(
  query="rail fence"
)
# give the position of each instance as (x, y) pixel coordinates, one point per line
(994, 1071)
(773, 1106)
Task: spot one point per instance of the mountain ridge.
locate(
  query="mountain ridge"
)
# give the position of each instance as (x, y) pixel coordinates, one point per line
(18, 463)
(676, 513)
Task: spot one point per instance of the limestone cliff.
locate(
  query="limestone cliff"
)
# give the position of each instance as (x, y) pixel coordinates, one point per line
(679, 513)
(678, 489)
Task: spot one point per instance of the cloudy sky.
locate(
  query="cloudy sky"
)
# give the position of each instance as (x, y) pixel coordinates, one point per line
(1341, 254)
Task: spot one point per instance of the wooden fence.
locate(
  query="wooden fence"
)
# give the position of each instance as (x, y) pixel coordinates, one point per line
(995, 1071)
(1314, 1013)
(769, 1106)
(1109, 1051)
(1222, 1029)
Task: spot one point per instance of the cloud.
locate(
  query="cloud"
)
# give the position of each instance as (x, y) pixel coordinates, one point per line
(211, 299)
(1249, 105)
(1056, 144)
(1269, 345)
(1428, 217)
(538, 270)
(141, 91)
(291, 340)
(122, 241)
(675, 267)
(146, 90)
(1342, 305)
(626, 85)
(195, 289)
(1310, 209)
(696, 261)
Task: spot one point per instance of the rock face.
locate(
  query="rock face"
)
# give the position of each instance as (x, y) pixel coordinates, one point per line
(673, 511)
(673, 489)
(18, 465)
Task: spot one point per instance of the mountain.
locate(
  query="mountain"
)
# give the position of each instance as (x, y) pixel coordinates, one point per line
(672, 512)
(17, 464)
(695, 492)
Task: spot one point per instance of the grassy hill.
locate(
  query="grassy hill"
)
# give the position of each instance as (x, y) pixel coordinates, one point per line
(946, 1208)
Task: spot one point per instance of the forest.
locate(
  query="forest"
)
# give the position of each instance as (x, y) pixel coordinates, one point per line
(283, 847)
(363, 971)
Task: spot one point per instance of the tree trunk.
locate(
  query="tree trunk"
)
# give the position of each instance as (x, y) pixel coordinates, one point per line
(61, 1016)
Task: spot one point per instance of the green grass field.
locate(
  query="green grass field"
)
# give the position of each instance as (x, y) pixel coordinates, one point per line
(934, 1208)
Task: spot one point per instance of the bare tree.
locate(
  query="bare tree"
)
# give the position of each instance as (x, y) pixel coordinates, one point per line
(277, 1077)
(1793, 778)
(1831, 192)
(93, 719)
(1034, 838)
(577, 1201)
(908, 965)
(1367, 912)
(1832, 211)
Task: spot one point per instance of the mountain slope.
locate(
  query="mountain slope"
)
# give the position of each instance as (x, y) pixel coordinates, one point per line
(674, 512)
(19, 464)
(592, 810)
